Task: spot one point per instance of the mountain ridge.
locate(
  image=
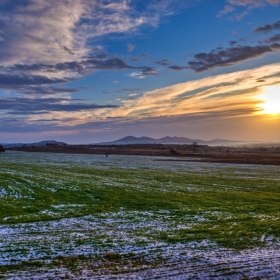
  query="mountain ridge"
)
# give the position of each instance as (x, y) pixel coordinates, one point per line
(166, 140)
(40, 143)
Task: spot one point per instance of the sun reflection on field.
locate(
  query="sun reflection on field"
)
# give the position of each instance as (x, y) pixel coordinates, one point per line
(271, 100)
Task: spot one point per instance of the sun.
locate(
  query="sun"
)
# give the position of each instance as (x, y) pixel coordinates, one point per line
(271, 100)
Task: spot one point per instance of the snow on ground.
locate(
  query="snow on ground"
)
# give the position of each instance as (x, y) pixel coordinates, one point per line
(127, 233)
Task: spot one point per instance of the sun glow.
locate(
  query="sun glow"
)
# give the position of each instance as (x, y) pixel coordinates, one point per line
(271, 100)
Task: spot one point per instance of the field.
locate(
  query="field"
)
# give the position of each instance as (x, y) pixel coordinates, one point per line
(131, 217)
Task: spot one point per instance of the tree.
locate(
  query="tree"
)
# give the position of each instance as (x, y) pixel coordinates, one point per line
(2, 149)
(194, 144)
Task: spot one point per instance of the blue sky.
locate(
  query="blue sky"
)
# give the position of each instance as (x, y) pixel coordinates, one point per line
(85, 71)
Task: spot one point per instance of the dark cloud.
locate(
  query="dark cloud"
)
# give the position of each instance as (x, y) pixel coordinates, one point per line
(232, 43)
(80, 67)
(28, 106)
(9, 81)
(177, 68)
(73, 66)
(138, 58)
(163, 62)
(146, 71)
(113, 63)
(228, 57)
(274, 38)
(97, 56)
(47, 90)
(276, 46)
(68, 50)
(268, 27)
(32, 67)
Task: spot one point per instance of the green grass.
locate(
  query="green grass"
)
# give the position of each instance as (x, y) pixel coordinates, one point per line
(233, 210)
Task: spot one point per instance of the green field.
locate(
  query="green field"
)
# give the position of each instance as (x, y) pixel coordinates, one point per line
(124, 213)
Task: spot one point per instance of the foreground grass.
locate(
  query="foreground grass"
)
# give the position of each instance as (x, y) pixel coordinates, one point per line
(234, 207)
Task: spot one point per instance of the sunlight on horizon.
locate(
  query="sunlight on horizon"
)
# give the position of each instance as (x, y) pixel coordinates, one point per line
(271, 100)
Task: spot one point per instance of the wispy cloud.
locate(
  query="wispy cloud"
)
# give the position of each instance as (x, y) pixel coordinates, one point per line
(146, 71)
(234, 91)
(47, 41)
(198, 102)
(41, 31)
(227, 9)
(247, 6)
(129, 89)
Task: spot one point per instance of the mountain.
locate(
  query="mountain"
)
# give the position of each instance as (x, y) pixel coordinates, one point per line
(133, 140)
(129, 140)
(41, 143)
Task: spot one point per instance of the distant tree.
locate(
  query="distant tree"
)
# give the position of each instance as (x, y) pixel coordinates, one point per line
(2, 149)
(194, 145)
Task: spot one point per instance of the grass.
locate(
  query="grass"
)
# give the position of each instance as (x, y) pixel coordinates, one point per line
(131, 201)
(234, 211)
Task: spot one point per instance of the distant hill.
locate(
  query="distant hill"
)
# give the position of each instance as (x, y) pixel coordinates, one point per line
(168, 140)
(41, 143)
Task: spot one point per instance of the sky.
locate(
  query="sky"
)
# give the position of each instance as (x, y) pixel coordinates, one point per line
(89, 71)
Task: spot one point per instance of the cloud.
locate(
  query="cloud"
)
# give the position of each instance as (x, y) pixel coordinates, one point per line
(47, 90)
(228, 57)
(255, 3)
(51, 38)
(20, 77)
(274, 2)
(146, 71)
(144, 55)
(232, 43)
(51, 31)
(235, 92)
(47, 31)
(130, 47)
(268, 27)
(129, 89)
(274, 38)
(203, 103)
(140, 57)
(177, 68)
(29, 106)
(76, 67)
(14, 81)
(163, 62)
(248, 5)
(227, 9)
